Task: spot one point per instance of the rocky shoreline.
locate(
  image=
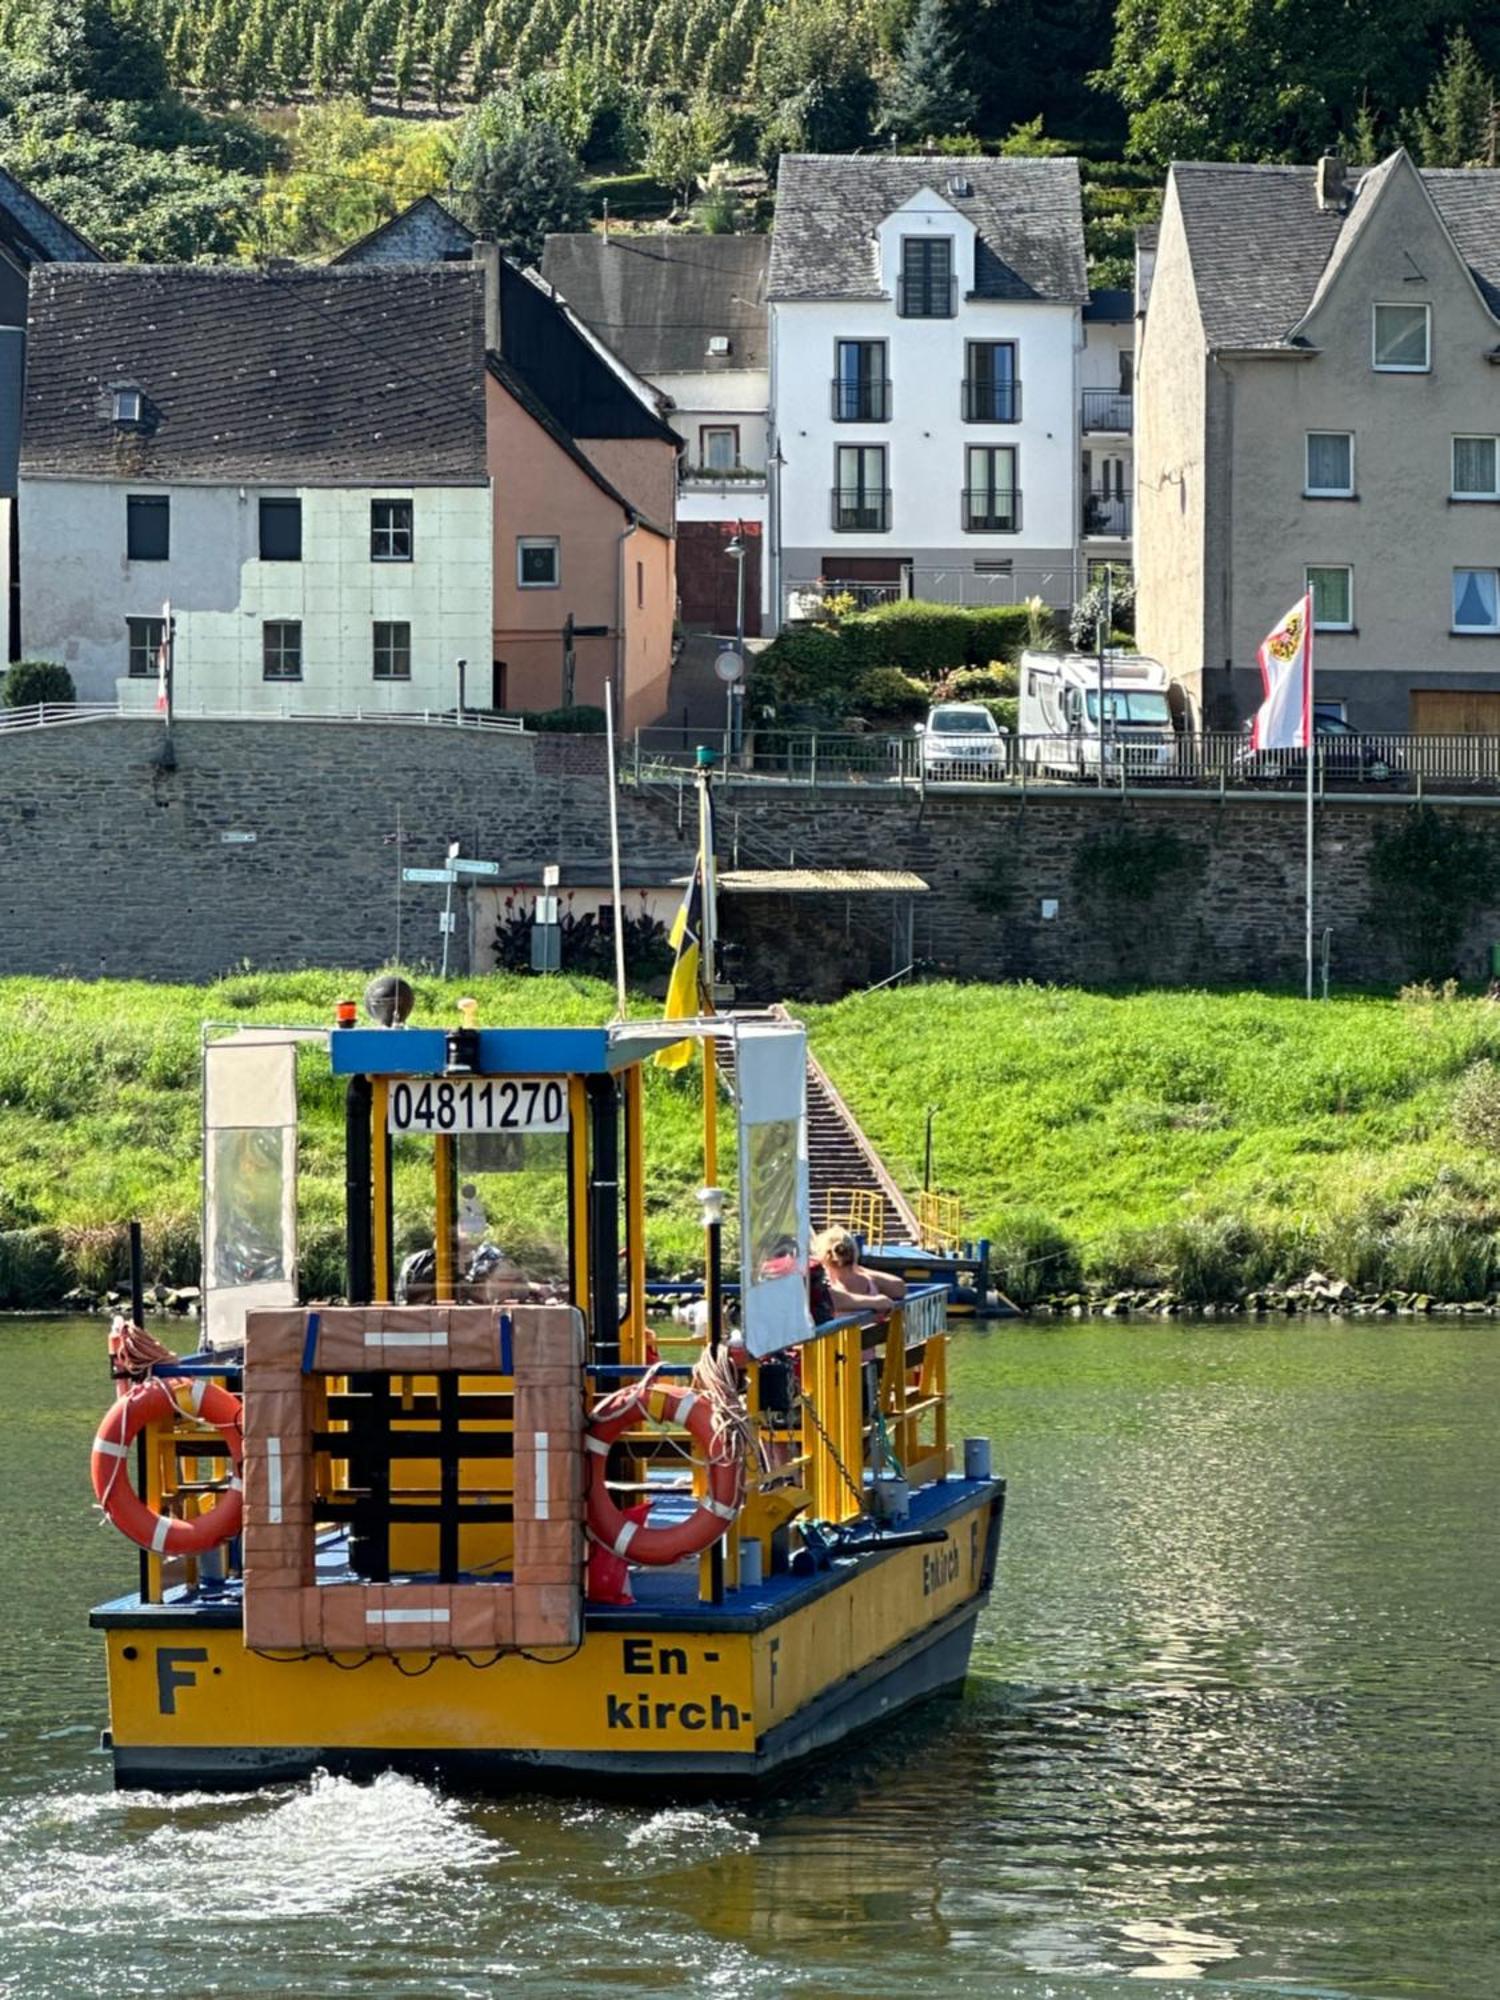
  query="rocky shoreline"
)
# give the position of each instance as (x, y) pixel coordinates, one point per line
(1315, 1294)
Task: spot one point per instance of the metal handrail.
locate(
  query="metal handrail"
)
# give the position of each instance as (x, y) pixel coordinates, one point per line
(54, 714)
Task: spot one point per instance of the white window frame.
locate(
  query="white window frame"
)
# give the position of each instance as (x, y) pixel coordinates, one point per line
(1323, 624)
(390, 648)
(1312, 492)
(1379, 306)
(282, 648)
(1473, 437)
(707, 431)
(148, 651)
(1474, 631)
(527, 542)
(386, 534)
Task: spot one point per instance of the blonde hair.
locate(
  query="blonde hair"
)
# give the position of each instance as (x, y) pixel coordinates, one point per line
(827, 1241)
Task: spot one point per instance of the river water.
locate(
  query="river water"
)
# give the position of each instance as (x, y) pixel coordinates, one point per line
(1233, 1721)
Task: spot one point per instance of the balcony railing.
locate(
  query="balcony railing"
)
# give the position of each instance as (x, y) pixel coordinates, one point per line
(1107, 514)
(718, 475)
(867, 401)
(926, 298)
(989, 402)
(991, 513)
(861, 511)
(1108, 410)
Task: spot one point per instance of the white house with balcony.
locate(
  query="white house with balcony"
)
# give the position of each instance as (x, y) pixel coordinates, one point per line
(1107, 420)
(926, 373)
(687, 314)
(293, 461)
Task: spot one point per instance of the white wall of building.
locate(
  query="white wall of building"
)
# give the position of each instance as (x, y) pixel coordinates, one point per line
(926, 437)
(79, 588)
(734, 396)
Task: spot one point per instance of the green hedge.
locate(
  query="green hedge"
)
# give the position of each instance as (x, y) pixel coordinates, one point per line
(31, 681)
(579, 721)
(33, 1271)
(931, 640)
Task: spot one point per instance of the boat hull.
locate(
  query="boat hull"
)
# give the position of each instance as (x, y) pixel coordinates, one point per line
(697, 1697)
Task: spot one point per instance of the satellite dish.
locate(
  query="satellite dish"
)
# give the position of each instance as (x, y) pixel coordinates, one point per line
(729, 665)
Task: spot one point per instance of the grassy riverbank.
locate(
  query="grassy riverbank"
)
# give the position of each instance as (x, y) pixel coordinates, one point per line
(1211, 1142)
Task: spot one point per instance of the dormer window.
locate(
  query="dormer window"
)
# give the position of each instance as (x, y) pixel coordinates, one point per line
(128, 406)
(925, 289)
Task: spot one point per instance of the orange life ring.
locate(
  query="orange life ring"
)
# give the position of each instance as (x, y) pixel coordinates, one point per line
(162, 1401)
(668, 1404)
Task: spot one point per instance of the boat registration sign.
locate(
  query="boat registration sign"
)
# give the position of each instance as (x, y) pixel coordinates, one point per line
(478, 1104)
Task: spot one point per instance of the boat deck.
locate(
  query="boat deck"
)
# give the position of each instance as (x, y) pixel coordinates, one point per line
(665, 1597)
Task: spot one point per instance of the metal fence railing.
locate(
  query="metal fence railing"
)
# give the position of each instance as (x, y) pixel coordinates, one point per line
(1222, 760)
(53, 714)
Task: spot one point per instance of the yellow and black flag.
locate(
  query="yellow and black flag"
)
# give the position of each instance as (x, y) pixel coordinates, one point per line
(689, 993)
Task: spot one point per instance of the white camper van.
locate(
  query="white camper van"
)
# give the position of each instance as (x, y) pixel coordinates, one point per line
(1065, 729)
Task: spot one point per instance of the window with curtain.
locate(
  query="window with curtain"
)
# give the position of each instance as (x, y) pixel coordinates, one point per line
(861, 391)
(991, 390)
(1475, 468)
(1403, 339)
(1332, 590)
(860, 497)
(1476, 600)
(991, 501)
(1330, 462)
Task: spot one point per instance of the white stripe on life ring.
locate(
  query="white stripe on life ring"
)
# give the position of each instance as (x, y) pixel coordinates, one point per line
(111, 1450)
(717, 1508)
(625, 1537)
(200, 1386)
(688, 1404)
(596, 1445)
(159, 1534)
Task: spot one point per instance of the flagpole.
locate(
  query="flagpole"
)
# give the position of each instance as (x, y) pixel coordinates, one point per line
(614, 847)
(1309, 733)
(708, 927)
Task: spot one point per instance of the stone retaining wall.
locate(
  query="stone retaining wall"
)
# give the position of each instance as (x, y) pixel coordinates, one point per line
(110, 865)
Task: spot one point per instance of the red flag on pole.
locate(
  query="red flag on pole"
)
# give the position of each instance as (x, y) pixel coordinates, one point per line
(1284, 720)
(164, 657)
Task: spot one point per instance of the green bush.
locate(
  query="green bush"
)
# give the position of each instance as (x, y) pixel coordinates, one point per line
(580, 721)
(934, 640)
(628, 195)
(1030, 1258)
(804, 666)
(987, 683)
(1429, 872)
(32, 1271)
(886, 693)
(1476, 1107)
(31, 681)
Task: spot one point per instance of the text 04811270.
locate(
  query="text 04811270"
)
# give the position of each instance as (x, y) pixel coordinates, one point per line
(479, 1104)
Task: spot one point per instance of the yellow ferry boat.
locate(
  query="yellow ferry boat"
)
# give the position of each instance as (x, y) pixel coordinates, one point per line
(494, 1523)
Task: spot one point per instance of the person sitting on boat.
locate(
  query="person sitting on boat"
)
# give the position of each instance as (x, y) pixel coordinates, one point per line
(851, 1287)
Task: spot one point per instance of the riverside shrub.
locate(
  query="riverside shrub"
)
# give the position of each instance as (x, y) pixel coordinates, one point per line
(31, 681)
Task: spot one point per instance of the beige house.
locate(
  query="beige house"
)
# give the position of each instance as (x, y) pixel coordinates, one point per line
(1318, 405)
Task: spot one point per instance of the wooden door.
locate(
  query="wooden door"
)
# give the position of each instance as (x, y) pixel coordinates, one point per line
(1455, 712)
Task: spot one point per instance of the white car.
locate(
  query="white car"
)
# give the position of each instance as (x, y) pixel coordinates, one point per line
(961, 739)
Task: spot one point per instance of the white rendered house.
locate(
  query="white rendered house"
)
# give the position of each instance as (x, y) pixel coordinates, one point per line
(292, 461)
(926, 369)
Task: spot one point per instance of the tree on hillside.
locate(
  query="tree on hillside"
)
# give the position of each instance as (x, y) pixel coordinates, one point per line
(1260, 79)
(925, 98)
(815, 77)
(681, 146)
(519, 188)
(1456, 125)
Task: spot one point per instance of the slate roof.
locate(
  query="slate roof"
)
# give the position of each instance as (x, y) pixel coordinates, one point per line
(1261, 248)
(34, 232)
(1028, 214)
(1110, 307)
(370, 374)
(423, 233)
(658, 300)
(586, 392)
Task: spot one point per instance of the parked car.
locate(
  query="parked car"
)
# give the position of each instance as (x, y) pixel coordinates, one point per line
(1346, 753)
(962, 739)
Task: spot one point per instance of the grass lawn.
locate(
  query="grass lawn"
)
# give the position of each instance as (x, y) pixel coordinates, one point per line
(1210, 1141)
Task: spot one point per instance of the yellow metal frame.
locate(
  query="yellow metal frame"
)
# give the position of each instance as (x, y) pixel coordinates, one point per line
(939, 1220)
(859, 1210)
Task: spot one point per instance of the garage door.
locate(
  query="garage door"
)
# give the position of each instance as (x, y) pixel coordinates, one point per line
(1455, 712)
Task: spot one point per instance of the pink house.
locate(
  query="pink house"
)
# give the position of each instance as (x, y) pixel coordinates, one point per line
(583, 473)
